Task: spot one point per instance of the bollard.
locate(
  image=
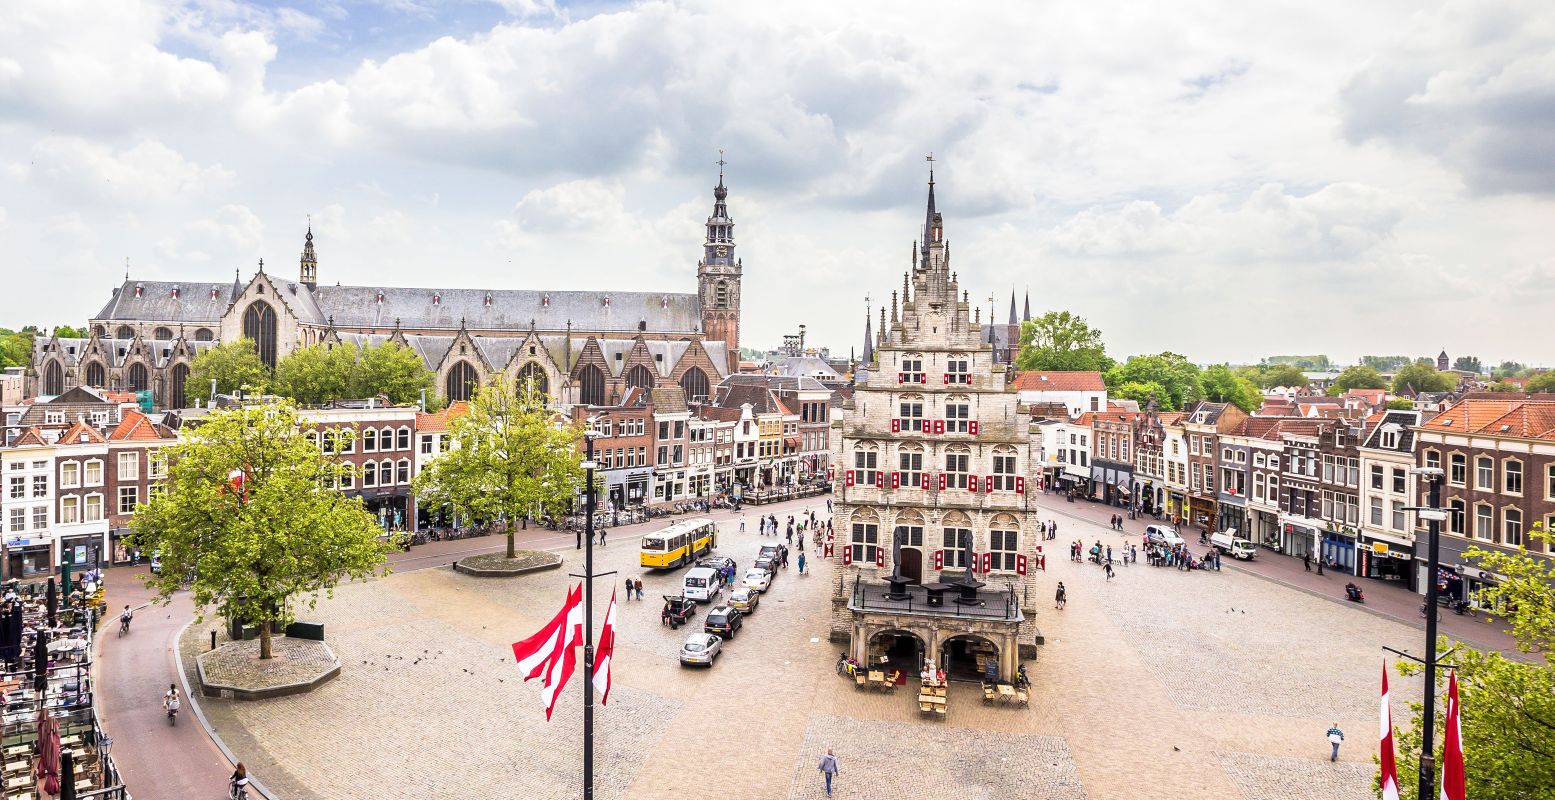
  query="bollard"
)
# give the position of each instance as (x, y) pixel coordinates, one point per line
(213, 640)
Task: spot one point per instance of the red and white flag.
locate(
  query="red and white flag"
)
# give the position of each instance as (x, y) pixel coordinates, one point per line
(1453, 787)
(1389, 780)
(548, 654)
(235, 479)
(607, 645)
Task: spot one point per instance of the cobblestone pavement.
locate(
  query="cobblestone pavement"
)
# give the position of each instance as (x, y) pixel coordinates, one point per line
(1154, 684)
(291, 661)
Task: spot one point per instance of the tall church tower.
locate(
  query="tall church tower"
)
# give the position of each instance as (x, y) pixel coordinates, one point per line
(309, 267)
(718, 276)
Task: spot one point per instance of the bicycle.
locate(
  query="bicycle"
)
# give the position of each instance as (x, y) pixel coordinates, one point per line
(1423, 611)
(124, 625)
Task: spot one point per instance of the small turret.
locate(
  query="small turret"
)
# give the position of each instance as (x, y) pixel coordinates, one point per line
(309, 265)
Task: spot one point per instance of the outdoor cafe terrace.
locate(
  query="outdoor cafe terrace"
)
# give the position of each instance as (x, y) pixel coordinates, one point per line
(955, 599)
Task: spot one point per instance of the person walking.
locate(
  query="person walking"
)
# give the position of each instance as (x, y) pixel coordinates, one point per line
(601, 537)
(742, 523)
(1060, 597)
(801, 557)
(1306, 561)
(629, 588)
(828, 768)
(1335, 738)
(1108, 566)
(639, 587)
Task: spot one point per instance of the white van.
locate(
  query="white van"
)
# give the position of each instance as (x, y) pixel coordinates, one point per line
(702, 584)
(1163, 535)
(1229, 543)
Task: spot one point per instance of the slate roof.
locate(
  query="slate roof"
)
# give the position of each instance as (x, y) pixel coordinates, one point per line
(156, 302)
(1404, 422)
(806, 366)
(513, 309)
(116, 351)
(1060, 382)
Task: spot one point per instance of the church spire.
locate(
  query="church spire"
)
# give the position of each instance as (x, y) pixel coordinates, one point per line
(1027, 316)
(928, 214)
(869, 345)
(309, 265)
(1014, 320)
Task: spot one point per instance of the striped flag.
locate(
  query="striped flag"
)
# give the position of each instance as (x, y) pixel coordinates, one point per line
(1389, 780)
(1453, 787)
(548, 654)
(607, 645)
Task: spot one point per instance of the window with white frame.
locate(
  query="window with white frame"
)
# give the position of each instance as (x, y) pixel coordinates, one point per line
(386, 473)
(129, 466)
(18, 487)
(347, 475)
(94, 473)
(69, 475)
(402, 471)
(1484, 522)
(1377, 476)
(40, 486)
(93, 508)
(18, 520)
(40, 517)
(1512, 527)
(1549, 481)
(1456, 519)
(369, 474)
(370, 440)
(1512, 476)
(1484, 473)
(426, 444)
(69, 510)
(912, 368)
(955, 554)
(1457, 470)
(910, 462)
(156, 464)
(865, 542)
(1004, 469)
(958, 463)
(402, 439)
(53, 417)
(1400, 517)
(958, 414)
(129, 496)
(1376, 511)
(1400, 480)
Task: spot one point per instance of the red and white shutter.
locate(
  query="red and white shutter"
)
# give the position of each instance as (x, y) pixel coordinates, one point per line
(829, 472)
(847, 555)
(988, 484)
(939, 559)
(1020, 565)
(850, 477)
(896, 426)
(1020, 485)
(923, 377)
(971, 484)
(828, 549)
(880, 557)
(972, 427)
(899, 377)
(879, 480)
(896, 480)
(942, 481)
(988, 562)
(939, 426)
(924, 480)
(947, 379)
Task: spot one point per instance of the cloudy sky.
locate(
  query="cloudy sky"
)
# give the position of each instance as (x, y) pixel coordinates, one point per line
(1311, 177)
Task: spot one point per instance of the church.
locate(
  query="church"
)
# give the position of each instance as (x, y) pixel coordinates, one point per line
(580, 347)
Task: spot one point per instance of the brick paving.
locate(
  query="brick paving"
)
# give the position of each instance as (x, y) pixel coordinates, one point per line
(1154, 684)
(292, 661)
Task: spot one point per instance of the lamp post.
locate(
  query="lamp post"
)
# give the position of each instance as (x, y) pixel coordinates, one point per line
(1432, 514)
(589, 466)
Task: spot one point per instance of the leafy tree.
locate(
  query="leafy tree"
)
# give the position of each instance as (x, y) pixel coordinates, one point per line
(1507, 369)
(1059, 340)
(1177, 377)
(1359, 377)
(391, 369)
(71, 332)
(1140, 392)
(1504, 386)
(1507, 715)
(1467, 364)
(1283, 375)
(1543, 382)
(1400, 404)
(509, 459)
(233, 365)
(1318, 362)
(1424, 378)
(15, 349)
(1224, 386)
(1384, 363)
(317, 373)
(249, 548)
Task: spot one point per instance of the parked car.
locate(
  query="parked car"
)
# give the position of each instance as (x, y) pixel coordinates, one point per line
(702, 583)
(1232, 545)
(758, 579)
(1163, 535)
(724, 621)
(768, 564)
(700, 648)
(772, 550)
(717, 562)
(745, 599)
(677, 611)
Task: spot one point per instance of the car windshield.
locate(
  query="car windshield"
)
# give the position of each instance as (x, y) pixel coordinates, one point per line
(755, 575)
(740, 595)
(693, 647)
(716, 619)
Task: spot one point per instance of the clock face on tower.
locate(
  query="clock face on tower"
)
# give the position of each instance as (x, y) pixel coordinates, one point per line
(721, 250)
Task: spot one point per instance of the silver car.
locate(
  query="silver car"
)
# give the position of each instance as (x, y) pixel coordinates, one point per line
(700, 649)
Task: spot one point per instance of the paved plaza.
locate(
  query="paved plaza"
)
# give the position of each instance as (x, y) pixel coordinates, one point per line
(1157, 684)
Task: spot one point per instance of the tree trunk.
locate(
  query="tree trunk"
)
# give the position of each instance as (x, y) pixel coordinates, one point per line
(264, 639)
(511, 552)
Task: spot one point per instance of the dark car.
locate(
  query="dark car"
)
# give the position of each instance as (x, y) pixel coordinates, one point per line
(677, 611)
(724, 621)
(768, 564)
(718, 562)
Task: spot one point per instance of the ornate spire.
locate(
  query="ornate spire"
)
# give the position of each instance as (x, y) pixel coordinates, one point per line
(308, 268)
(880, 339)
(893, 306)
(1013, 319)
(928, 216)
(906, 290)
(869, 345)
(1027, 316)
(237, 286)
(914, 255)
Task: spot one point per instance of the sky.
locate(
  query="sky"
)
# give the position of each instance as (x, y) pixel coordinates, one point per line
(1223, 180)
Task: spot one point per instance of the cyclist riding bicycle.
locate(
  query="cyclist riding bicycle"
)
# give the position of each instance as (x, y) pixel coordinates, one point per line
(124, 620)
(171, 703)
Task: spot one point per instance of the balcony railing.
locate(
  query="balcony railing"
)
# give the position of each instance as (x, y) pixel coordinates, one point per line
(989, 603)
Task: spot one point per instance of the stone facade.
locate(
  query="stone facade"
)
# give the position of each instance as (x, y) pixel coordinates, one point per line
(933, 453)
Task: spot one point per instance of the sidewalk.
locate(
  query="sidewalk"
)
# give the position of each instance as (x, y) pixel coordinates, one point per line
(1383, 598)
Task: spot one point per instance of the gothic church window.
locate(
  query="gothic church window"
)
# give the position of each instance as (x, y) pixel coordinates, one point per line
(180, 380)
(137, 377)
(125, 332)
(591, 386)
(639, 377)
(461, 382)
(96, 376)
(695, 383)
(259, 326)
(531, 376)
(53, 378)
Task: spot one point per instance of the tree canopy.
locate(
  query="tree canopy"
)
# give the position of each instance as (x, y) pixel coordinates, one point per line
(1507, 715)
(1424, 378)
(1400, 404)
(1221, 385)
(510, 459)
(1384, 363)
(1176, 379)
(393, 370)
(1467, 364)
(1507, 369)
(317, 373)
(1059, 340)
(1268, 376)
(1300, 362)
(233, 365)
(248, 547)
(1358, 377)
(1542, 382)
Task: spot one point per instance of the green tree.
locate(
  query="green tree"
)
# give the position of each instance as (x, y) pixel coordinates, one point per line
(1542, 382)
(1507, 369)
(15, 348)
(317, 373)
(233, 365)
(1467, 364)
(1507, 705)
(1318, 362)
(1384, 363)
(1424, 378)
(509, 460)
(1221, 385)
(249, 548)
(1177, 378)
(391, 369)
(1140, 392)
(1504, 386)
(1358, 377)
(1283, 375)
(71, 332)
(1059, 340)
(1400, 404)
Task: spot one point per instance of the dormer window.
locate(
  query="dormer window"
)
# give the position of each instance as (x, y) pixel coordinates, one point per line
(605, 301)
(488, 299)
(213, 294)
(139, 290)
(437, 299)
(664, 302)
(380, 298)
(175, 292)
(545, 301)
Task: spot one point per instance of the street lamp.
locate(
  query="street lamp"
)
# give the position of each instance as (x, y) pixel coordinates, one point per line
(1433, 515)
(589, 465)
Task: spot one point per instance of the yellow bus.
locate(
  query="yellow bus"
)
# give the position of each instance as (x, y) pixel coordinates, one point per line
(679, 544)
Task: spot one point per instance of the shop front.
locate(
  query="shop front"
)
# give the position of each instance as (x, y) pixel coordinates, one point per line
(1265, 529)
(1385, 560)
(25, 558)
(389, 507)
(1232, 515)
(1111, 482)
(1456, 579)
(1176, 504)
(82, 551)
(119, 547)
(1339, 550)
(627, 488)
(1201, 513)
(1299, 536)
(1147, 495)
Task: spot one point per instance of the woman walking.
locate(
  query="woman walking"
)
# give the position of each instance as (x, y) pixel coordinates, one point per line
(1060, 598)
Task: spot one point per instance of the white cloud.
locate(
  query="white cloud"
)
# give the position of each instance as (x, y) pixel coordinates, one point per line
(83, 171)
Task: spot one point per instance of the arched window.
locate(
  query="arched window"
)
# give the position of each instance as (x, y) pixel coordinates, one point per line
(721, 295)
(137, 377)
(531, 376)
(402, 471)
(162, 334)
(203, 335)
(864, 537)
(1003, 542)
(386, 473)
(96, 376)
(910, 460)
(180, 382)
(591, 386)
(100, 331)
(639, 377)
(386, 439)
(370, 440)
(866, 464)
(53, 378)
(124, 332)
(461, 382)
(956, 539)
(1003, 469)
(695, 384)
(259, 325)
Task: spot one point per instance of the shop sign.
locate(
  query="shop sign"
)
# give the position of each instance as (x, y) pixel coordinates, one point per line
(1380, 548)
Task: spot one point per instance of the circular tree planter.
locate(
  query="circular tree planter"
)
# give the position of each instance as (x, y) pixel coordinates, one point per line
(235, 672)
(498, 565)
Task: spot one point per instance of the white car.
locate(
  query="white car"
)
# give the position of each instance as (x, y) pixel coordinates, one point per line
(700, 649)
(1163, 535)
(758, 579)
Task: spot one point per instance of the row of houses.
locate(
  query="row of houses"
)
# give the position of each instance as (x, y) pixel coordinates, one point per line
(1332, 483)
(76, 465)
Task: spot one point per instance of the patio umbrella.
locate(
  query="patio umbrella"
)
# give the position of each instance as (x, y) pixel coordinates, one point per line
(48, 751)
(67, 776)
(40, 663)
(66, 645)
(53, 601)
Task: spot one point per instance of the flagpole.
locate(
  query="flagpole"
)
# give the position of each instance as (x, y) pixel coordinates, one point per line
(588, 618)
(1433, 524)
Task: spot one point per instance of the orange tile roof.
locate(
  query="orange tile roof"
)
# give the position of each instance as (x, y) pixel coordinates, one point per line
(1060, 382)
(1372, 395)
(1471, 415)
(30, 437)
(441, 420)
(1088, 418)
(119, 397)
(137, 427)
(81, 433)
(1170, 417)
